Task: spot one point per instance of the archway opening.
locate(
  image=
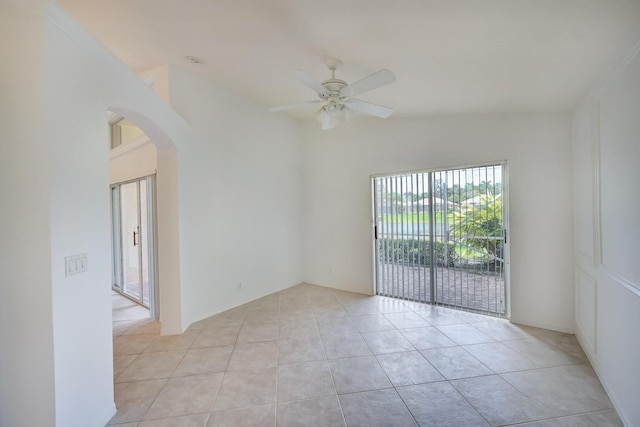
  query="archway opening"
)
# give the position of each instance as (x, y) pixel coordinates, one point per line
(143, 168)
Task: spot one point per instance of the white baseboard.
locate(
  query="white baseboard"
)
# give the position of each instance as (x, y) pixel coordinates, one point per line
(109, 413)
(550, 326)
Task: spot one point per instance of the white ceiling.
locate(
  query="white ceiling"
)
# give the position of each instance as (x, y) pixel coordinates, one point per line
(449, 56)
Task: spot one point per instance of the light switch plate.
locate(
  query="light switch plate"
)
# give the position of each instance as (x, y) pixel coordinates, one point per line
(75, 264)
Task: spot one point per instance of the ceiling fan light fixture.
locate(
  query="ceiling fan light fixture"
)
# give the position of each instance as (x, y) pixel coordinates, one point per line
(331, 116)
(327, 118)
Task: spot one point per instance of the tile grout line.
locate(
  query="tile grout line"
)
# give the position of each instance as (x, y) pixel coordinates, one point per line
(275, 406)
(333, 382)
(375, 357)
(447, 380)
(553, 342)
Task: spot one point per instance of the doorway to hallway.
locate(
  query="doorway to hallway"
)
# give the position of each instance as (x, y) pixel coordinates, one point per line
(440, 237)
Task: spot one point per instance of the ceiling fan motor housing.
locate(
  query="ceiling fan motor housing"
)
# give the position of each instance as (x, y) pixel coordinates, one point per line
(334, 86)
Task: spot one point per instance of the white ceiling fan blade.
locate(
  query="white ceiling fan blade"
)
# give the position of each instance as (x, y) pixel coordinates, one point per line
(292, 106)
(372, 81)
(306, 80)
(369, 108)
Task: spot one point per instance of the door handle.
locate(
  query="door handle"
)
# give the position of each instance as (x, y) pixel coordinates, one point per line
(135, 243)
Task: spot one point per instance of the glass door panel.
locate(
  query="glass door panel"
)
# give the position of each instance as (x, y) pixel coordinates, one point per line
(115, 236)
(133, 222)
(129, 212)
(471, 275)
(144, 241)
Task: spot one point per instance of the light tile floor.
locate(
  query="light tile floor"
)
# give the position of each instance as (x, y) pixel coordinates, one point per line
(314, 356)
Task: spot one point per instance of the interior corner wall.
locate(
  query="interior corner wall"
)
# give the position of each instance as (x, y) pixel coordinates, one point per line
(606, 149)
(337, 198)
(240, 210)
(26, 334)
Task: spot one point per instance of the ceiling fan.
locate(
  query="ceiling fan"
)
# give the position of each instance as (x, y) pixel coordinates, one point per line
(336, 96)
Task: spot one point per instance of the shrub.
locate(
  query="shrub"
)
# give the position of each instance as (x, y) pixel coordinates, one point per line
(415, 251)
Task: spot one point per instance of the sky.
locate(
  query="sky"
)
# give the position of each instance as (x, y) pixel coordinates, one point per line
(417, 182)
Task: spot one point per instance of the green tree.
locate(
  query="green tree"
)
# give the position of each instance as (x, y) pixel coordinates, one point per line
(481, 226)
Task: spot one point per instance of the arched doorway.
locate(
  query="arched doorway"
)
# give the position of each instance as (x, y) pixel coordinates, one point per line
(143, 164)
(132, 178)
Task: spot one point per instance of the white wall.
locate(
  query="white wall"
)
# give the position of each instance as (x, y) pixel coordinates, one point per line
(56, 352)
(241, 177)
(168, 256)
(133, 160)
(337, 226)
(606, 150)
(79, 215)
(26, 336)
(236, 185)
(239, 197)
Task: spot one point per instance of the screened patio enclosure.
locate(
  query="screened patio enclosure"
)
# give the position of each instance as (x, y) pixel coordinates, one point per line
(441, 237)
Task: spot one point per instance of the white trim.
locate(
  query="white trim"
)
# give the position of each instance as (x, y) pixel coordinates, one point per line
(620, 280)
(584, 341)
(374, 224)
(596, 183)
(590, 355)
(593, 361)
(441, 169)
(585, 262)
(134, 144)
(594, 278)
(165, 332)
(506, 214)
(542, 325)
(113, 118)
(154, 309)
(619, 69)
(600, 84)
(629, 58)
(108, 413)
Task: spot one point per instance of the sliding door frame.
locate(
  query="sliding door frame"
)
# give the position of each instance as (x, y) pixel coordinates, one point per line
(505, 219)
(150, 240)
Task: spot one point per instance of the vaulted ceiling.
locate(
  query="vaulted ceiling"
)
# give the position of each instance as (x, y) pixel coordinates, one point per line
(449, 56)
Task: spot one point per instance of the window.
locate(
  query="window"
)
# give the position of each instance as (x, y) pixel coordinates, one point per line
(123, 131)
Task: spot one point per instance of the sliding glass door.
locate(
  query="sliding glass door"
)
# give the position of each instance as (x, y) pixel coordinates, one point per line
(133, 240)
(441, 237)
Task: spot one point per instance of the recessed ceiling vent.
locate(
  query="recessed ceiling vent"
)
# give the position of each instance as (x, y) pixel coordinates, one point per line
(194, 60)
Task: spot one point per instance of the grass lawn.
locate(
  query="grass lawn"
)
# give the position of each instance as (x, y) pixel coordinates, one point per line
(467, 252)
(419, 217)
